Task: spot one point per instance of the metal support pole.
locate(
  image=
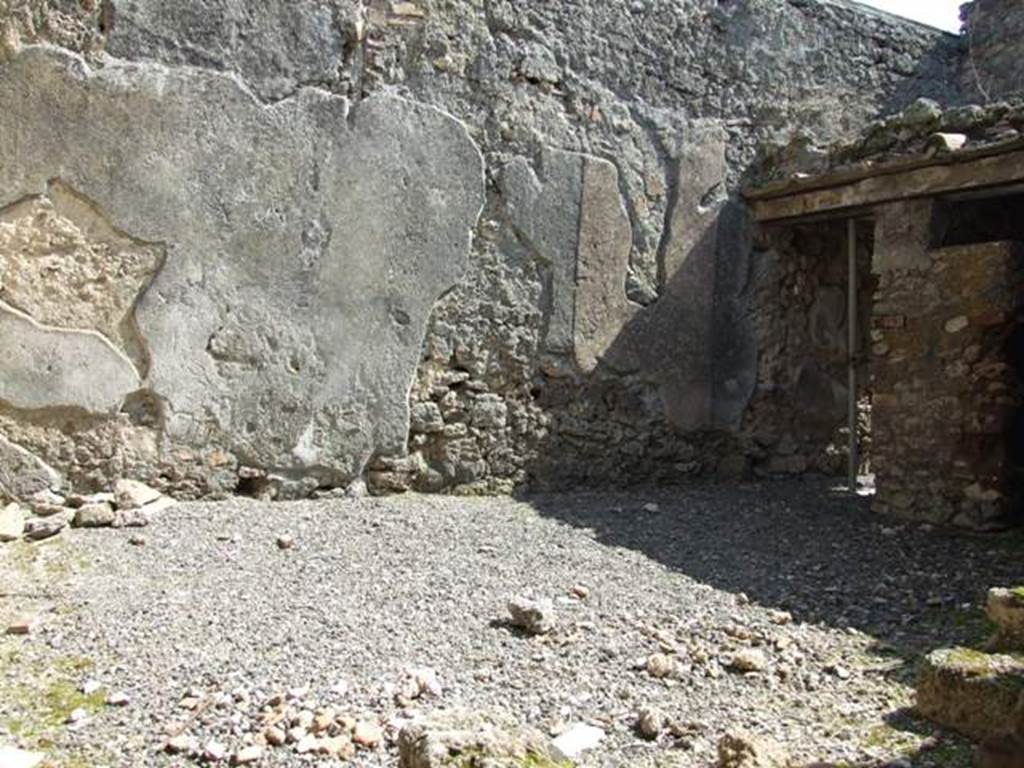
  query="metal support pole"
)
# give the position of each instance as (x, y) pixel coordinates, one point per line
(851, 304)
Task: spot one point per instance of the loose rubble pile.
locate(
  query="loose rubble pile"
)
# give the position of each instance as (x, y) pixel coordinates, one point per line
(924, 129)
(981, 693)
(291, 720)
(46, 514)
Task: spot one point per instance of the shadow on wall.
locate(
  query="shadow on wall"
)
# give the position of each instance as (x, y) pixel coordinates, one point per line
(739, 368)
(646, 393)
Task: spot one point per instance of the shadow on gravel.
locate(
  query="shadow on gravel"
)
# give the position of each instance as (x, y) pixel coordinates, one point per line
(816, 552)
(942, 749)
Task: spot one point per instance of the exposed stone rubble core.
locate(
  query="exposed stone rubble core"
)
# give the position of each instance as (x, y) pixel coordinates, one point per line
(62, 264)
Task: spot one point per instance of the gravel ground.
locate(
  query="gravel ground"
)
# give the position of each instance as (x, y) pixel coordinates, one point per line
(376, 587)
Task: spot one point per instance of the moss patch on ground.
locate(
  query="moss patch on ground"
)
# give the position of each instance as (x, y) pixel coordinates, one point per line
(38, 696)
(53, 558)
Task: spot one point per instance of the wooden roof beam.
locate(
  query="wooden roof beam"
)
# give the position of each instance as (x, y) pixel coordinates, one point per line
(965, 171)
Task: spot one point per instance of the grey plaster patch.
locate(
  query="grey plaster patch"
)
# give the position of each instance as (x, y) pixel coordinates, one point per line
(306, 243)
(543, 204)
(22, 473)
(678, 351)
(605, 243)
(903, 236)
(570, 213)
(53, 367)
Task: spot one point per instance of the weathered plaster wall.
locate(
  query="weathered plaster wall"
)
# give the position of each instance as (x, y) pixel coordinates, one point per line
(994, 61)
(282, 201)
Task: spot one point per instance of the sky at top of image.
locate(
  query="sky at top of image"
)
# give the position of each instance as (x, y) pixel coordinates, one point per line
(944, 14)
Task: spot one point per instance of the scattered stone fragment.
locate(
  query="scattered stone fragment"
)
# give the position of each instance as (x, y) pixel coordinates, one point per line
(780, 617)
(580, 591)
(137, 541)
(275, 736)
(131, 494)
(247, 755)
(100, 515)
(39, 528)
(660, 665)
(182, 744)
(89, 687)
(132, 518)
(652, 507)
(12, 522)
(944, 143)
(407, 9)
(1005, 608)
(76, 500)
(322, 721)
(739, 749)
(76, 715)
(578, 739)
(970, 692)
(340, 747)
(118, 699)
(19, 758)
(650, 722)
(535, 617)
(23, 625)
(307, 744)
(285, 541)
(214, 752)
(839, 671)
(46, 503)
(748, 660)
(367, 734)
(427, 682)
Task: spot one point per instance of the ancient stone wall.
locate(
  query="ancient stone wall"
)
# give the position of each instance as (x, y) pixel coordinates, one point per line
(798, 418)
(450, 245)
(946, 367)
(994, 61)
